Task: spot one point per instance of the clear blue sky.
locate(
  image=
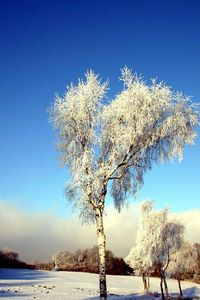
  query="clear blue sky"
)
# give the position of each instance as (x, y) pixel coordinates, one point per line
(47, 44)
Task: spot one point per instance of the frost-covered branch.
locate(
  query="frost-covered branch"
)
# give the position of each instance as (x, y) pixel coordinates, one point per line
(120, 140)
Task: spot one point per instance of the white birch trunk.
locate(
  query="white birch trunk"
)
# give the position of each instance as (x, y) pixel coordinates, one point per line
(101, 238)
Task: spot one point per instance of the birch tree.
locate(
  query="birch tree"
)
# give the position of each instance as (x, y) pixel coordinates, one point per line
(182, 262)
(157, 239)
(139, 257)
(171, 241)
(108, 145)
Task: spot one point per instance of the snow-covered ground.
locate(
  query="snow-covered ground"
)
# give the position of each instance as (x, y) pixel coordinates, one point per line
(31, 284)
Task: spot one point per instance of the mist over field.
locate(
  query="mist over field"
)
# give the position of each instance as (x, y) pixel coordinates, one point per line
(37, 236)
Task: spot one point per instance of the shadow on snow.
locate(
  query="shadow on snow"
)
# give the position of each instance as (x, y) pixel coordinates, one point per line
(126, 297)
(9, 294)
(23, 274)
(188, 294)
(11, 278)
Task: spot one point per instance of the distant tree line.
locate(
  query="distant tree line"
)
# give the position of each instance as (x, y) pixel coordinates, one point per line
(88, 261)
(9, 259)
(81, 261)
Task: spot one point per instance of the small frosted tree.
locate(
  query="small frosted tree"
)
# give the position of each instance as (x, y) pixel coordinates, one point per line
(141, 266)
(139, 256)
(171, 241)
(109, 145)
(182, 262)
(157, 239)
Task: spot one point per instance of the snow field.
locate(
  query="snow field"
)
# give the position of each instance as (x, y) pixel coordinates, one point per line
(32, 284)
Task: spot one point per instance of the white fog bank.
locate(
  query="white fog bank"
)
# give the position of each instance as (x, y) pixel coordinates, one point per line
(37, 236)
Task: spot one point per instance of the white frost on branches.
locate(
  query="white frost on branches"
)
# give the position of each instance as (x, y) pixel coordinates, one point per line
(117, 141)
(183, 261)
(157, 239)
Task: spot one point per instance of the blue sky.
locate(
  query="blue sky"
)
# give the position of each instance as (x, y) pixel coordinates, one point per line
(47, 44)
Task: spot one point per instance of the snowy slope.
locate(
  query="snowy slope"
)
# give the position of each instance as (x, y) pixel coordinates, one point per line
(29, 284)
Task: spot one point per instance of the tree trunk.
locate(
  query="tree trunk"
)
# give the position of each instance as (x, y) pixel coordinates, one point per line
(144, 279)
(164, 277)
(165, 284)
(161, 288)
(101, 238)
(179, 285)
(148, 283)
(166, 288)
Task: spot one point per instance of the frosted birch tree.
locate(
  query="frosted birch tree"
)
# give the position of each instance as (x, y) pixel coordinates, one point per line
(171, 241)
(182, 262)
(139, 257)
(157, 239)
(108, 145)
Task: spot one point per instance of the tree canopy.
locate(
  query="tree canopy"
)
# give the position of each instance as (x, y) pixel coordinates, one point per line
(117, 140)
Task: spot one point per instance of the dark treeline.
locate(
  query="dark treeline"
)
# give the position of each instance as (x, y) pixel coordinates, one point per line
(9, 259)
(88, 261)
